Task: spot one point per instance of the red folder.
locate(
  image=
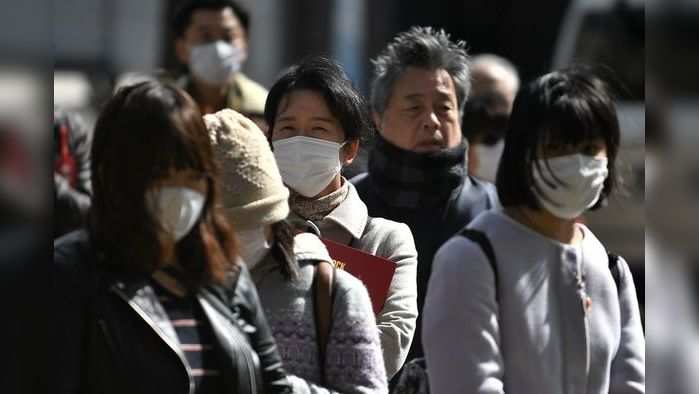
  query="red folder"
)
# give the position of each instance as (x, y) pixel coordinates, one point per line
(375, 272)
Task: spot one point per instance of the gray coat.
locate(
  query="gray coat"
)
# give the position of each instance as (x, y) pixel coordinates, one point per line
(538, 337)
(350, 224)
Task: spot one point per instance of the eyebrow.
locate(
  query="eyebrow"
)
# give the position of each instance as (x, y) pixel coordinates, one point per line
(316, 118)
(413, 96)
(323, 119)
(286, 118)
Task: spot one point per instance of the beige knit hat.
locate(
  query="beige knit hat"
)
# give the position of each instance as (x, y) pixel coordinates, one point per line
(253, 192)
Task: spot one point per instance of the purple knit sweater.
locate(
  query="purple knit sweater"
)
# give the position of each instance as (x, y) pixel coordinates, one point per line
(354, 363)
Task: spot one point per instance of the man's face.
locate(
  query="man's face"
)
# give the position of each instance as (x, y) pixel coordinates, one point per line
(208, 26)
(422, 114)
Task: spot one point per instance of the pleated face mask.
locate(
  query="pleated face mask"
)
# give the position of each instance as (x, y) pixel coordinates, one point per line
(176, 208)
(254, 245)
(215, 62)
(307, 164)
(573, 185)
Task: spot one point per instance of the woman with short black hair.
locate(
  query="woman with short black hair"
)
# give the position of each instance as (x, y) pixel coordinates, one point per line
(316, 120)
(527, 299)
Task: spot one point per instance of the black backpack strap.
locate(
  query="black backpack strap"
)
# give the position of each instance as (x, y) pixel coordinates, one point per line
(615, 269)
(482, 240)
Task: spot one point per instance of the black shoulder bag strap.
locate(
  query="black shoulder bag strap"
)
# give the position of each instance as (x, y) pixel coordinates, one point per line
(615, 269)
(482, 240)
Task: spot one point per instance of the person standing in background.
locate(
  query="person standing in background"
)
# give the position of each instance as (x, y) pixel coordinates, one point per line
(71, 174)
(211, 40)
(484, 124)
(495, 82)
(493, 73)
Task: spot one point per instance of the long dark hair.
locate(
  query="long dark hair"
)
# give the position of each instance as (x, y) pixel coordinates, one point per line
(145, 132)
(283, 249)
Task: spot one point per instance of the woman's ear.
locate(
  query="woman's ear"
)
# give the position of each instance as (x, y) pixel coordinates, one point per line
(349, 152)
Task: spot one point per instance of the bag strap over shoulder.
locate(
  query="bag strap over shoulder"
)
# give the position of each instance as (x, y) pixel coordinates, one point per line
(482, 240)
(323, 297)
(615, 269)
(614, 261)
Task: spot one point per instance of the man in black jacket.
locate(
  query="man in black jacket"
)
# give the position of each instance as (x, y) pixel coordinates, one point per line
(417, 171)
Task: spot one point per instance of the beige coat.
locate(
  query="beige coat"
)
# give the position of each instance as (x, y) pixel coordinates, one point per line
(350, 224)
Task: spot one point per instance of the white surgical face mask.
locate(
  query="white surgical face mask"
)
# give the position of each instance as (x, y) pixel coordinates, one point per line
(253, 245)
(307, 165)
(177, 209)
(488, 159)
(577, 186)
(215, 62)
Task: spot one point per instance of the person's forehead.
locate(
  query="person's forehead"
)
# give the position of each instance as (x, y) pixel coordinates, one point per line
(307, 102)
(414, 82)
(223, 17)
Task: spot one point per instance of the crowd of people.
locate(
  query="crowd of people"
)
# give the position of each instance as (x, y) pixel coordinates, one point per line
(192, 250)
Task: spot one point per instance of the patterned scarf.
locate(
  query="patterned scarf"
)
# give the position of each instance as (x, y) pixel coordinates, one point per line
(316, 209)
(410, 180)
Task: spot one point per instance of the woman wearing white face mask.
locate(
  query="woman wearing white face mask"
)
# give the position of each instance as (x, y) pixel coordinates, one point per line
(316, 119)
(284, 268)
(152, 296)
(542, 308)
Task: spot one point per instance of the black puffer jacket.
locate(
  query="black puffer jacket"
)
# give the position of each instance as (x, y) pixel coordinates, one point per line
(115, 336)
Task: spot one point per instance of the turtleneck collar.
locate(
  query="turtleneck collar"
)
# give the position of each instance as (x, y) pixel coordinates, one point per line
(315, 209)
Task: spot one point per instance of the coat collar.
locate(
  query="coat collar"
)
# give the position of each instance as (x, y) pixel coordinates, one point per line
(351, 215)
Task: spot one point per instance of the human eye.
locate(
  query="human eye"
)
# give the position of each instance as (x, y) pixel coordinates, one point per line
(412, 109)
(284, 131)
(592, 149)
(444, 108)
(552, 149)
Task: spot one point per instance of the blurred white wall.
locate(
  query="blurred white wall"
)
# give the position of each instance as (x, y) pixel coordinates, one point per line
(266, 41)
(124, 35)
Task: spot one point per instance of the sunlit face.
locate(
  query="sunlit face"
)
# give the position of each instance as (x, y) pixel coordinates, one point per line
(305, 113)
(422, 114)
(209, 26)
